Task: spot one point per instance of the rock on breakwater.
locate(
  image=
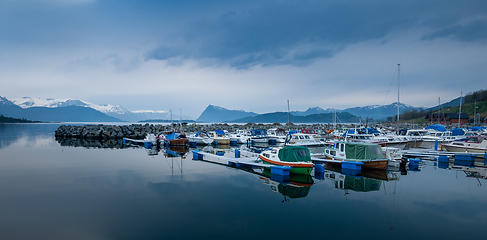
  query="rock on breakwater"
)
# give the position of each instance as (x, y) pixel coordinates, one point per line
(136, 131)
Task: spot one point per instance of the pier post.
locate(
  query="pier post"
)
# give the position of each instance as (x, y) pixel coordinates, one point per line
(237, 153)
(197, 155)
(464, 159)
(319, 171)
(280, 170)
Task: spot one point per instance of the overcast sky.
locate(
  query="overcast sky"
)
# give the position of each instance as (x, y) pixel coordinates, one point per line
(246, 55)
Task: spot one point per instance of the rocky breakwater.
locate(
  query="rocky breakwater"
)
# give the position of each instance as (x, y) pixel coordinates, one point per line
(135, 131)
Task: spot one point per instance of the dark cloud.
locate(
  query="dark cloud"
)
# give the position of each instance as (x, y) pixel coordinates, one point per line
(476, 30)
(298, 33)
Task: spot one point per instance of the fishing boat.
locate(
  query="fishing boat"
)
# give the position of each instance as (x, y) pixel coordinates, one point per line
(302, 139)
(277, 134)
(219, 137)
(371, 155)
(259, 136)
(241, 136)
(296, 157)
(201, 138)
(473, 144)
(176, 139)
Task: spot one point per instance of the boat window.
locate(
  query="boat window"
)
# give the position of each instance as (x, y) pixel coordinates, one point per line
(301, 137)
(473, 140)
(342, 147)
(307, 137)
(333, 153)
(302, 152)
(376, 149)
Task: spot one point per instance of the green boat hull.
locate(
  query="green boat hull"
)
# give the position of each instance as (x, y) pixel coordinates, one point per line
(295, 170)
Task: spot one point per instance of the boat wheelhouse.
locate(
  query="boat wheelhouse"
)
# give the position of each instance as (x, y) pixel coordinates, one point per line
(302, 139)
(259, 136)
(277, 134)
(219, 137)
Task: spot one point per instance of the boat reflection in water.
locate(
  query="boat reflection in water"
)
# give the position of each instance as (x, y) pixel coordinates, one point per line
(296, 186)
(176, 151)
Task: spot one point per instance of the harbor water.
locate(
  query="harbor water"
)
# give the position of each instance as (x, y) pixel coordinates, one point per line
(72, 189)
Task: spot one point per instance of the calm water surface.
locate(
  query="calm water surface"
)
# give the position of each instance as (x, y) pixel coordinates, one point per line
(64, 189)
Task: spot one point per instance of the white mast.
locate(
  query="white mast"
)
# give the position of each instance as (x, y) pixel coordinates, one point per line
(334, 118)
(460, 110)
(398, 80)
(288, 117)
(439, 110)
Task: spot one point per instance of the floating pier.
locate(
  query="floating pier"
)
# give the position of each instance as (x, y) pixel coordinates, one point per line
(356, 167)
(147, 143)
(237, 162)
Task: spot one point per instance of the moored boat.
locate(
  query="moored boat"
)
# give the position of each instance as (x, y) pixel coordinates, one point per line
(219, 137)
(474, 144)
(302, 139)
(176, 139)
(371, 155)
(296, 157)
(277, 134)
(259, 136)
(201, 138)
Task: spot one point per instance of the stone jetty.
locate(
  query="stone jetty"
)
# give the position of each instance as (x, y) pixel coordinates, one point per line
(100, 131)
(139, 131)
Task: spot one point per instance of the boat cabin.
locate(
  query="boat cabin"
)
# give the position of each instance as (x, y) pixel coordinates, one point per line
(356, 150)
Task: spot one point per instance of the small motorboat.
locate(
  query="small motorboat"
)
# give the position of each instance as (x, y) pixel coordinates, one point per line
(296, 157)
(370, 154)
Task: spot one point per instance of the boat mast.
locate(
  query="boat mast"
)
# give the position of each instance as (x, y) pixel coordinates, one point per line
(475, 114)
(398, 80)
(170, 111)
(288, 117)
(334, 119)
(439, 110)
(460, 110)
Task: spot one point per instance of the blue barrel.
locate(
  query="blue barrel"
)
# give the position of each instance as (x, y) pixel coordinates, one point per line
(443, 159)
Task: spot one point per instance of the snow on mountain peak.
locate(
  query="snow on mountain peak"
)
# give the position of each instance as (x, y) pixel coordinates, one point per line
(148, 111)
(27, 102)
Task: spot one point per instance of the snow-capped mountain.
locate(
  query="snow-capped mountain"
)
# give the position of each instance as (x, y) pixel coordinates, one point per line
(27, 102)
(379, 111)
(108, 109)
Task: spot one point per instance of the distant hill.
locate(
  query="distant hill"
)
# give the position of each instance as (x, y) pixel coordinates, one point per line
(453, 103)
(4, 119)
(218, 114)
(282, 117)
(379, 112)
(310, 111)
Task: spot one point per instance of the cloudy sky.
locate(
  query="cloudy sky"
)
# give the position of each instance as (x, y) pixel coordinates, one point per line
(248, 55)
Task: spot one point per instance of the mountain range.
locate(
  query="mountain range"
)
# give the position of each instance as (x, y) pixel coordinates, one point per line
(58, 108)
(283, 117)
(75, 110)
(218, 114)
